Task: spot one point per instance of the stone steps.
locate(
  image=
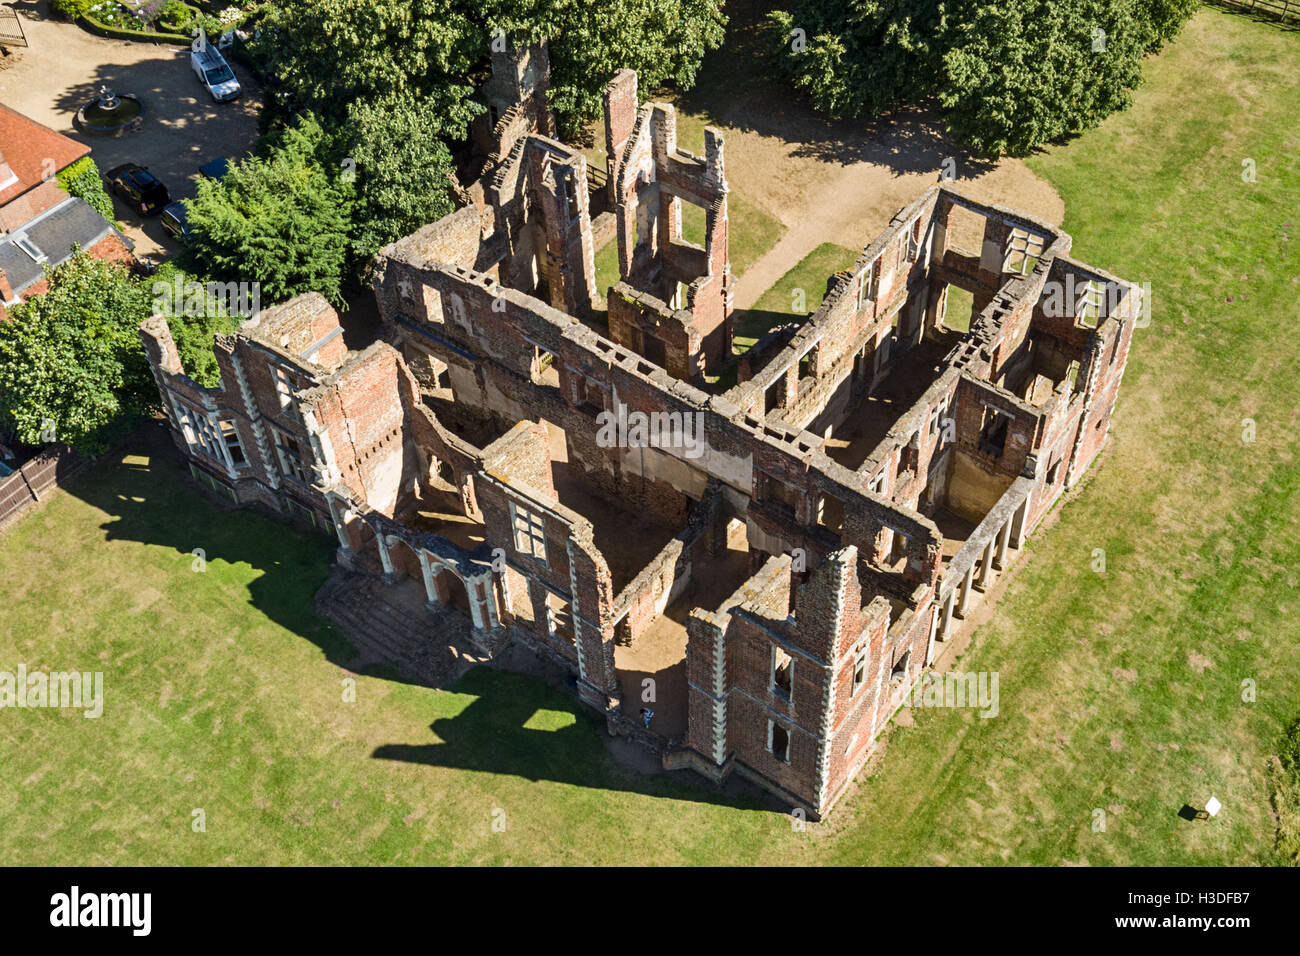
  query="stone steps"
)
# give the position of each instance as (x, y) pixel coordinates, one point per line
(427, 647)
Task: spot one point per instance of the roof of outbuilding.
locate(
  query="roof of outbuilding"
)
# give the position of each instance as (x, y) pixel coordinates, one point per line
(25, 146)
(54, 233)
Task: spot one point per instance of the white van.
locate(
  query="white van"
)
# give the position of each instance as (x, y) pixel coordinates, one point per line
(212, 70)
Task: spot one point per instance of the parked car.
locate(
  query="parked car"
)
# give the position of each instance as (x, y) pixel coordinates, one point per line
(215, 169)
(175, 222)
(213, 71)
(139, 187)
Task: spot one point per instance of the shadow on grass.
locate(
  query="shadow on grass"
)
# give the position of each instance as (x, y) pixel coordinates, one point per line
(1288, 20)
(738, 87)
(143, 488)
(756, 323)
(490, 736)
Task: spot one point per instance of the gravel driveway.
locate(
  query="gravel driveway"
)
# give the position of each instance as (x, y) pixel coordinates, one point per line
(64, 66)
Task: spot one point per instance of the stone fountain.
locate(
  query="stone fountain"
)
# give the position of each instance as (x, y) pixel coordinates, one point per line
(110, 114)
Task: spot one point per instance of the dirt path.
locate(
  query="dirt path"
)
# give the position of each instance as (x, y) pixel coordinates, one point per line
(842, 182)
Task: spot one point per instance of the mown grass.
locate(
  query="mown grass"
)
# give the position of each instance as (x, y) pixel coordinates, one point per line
(796, 294)
(1120, 691)
(958, 308)
(225, 694)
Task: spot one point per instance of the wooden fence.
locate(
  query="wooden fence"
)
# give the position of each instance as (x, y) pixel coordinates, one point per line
(1277, 9)
(37, 480)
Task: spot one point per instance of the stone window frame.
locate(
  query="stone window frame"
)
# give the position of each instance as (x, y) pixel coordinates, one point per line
(989, 421)
(284, 386)
(859, 678)
(781, 693)
(915, 234)
(233, 443)
(283, 451)
(528, 529)
(780, 494)
(203, 434)
(1090, 303)
(771, 733)
(869, 287)
(1024, 245)
(584, 386)
(937, 415)
(555, 622)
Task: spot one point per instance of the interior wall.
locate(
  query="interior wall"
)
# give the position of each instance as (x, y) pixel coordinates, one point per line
(972, 491)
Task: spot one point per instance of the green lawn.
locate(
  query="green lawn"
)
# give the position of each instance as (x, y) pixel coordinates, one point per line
(958, 308)
(798, 293)
(224, 693)
(1120, 691)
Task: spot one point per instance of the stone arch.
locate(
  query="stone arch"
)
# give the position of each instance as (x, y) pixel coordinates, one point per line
(449, 586)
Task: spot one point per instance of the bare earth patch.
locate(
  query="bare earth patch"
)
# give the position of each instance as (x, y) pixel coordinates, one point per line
(842, 182)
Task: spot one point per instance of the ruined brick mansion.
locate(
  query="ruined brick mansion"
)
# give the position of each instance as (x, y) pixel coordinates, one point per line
(776, 573)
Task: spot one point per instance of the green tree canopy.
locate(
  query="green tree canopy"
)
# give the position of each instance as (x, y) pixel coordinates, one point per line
(71, 361)
(402, 166)
(1007, 77)
(330, 54)
(281, 219)
(663, 40)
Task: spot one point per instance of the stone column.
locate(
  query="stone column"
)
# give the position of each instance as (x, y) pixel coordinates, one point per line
(986, 564)
(489, 602)
(934, 626)
(430, 592)
(947, 615)
(389, 575)
(1018, 522)
(1003, 539)
(967, 583)
(340, 520)
(475, 604)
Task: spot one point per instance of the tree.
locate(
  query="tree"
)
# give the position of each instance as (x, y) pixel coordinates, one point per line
(331, 54)
(1007, 77)
(193, 329)
(663, 40)
(858, 57)
(280, 219)
(403, 169)
(1021, 75)
(71, 362)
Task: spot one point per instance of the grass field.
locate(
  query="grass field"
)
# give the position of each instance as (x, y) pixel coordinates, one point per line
(1120, 691)
(804, 284)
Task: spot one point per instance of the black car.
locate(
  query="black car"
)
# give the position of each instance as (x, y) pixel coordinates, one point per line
(174, 222)
(215, 169)
(139, 187)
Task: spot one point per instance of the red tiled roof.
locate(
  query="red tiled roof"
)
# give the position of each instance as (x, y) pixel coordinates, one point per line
(25, 145)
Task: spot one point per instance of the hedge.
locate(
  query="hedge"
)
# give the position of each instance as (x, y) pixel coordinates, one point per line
(82, 180)
(121, 33)
(192, 13)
